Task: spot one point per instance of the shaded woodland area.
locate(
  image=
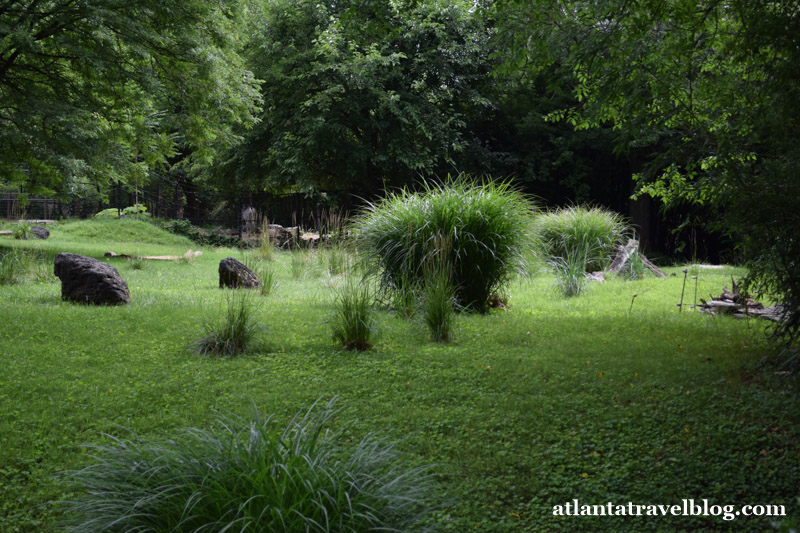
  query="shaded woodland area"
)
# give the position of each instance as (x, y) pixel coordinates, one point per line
(687, 106)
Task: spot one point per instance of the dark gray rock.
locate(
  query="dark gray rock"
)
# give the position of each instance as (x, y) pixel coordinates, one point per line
(87, 280)
(39, 232)
(234, 274)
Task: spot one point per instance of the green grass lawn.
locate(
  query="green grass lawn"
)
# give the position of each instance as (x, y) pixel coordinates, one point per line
(552, 400)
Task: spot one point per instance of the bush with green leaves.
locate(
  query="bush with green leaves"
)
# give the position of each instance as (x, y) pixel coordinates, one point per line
(132, 210)
(488, 224)
(235, 332)
(248, 475)
(578, 232)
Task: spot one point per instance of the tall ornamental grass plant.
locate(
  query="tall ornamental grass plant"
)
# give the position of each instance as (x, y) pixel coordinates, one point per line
(247, 475)
(572, 232)
(488, 225)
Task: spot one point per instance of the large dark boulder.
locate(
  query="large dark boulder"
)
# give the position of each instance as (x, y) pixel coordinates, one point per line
(87, 280)
(39, 232)
(234, 274)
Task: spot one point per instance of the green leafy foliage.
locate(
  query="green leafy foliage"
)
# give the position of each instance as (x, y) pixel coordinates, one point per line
(707, 93)
(359, 95)
(132, 210)
(249, 475)
(487, 225)
(207, 238)
(107, 92)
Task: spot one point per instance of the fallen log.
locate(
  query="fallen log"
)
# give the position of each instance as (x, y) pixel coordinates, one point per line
(624, 253)
(189, 255)
(6, 232)
(738, 304)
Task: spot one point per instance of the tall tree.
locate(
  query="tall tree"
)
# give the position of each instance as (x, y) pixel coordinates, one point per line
(103, 90)
(710, 85)
(359, 95)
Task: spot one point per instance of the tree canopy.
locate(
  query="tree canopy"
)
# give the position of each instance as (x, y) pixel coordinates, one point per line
(360, 95)
(92, 92)
(708, 88)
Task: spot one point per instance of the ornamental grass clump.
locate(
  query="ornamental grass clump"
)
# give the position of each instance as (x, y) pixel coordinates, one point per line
(352, 323)
(570, 268)
(235, 332)
(488, 223)
(248, 475)
(569, 233)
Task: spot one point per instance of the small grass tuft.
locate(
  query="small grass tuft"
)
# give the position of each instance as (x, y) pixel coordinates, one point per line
(235, 333)
(22, 231)
(267, 277)
(265, 247)
(137, 262)
(438, 302)
(299, 263)
(21, 266)
(570, 267)
(352, 323)
(634, 268)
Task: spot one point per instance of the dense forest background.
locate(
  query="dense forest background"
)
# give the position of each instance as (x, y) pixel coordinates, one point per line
(681, 115)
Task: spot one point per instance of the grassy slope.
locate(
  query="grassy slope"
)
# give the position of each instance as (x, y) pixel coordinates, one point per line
(553, 400)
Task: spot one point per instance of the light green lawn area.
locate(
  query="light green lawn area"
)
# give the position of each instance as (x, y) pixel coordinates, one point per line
(552, 400)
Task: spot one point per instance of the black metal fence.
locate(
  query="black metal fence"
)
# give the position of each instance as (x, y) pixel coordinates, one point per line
(173, 200)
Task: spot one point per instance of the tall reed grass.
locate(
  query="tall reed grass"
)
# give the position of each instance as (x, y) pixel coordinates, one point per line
(488, 223)
(352, 323)
(578, 231)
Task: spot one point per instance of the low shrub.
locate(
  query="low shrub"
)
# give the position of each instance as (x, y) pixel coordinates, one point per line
(235, 332)
(572, 232)
(247, 475)
(488, 224)
(139, 210)
(352, 323)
